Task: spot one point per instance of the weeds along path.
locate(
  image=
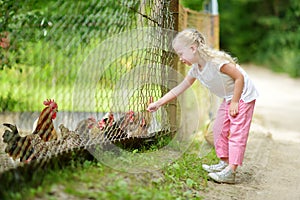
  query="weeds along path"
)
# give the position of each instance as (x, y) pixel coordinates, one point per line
(271, 166)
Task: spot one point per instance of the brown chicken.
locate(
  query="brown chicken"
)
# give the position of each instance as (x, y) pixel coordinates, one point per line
(90, 129)
(136, 124)
(18, 147)
(84, 126)
(44, 125)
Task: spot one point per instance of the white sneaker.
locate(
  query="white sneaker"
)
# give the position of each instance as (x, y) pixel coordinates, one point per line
(227, 175)
(215, 168)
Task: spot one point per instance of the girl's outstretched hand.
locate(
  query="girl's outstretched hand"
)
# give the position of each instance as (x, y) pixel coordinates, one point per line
(152, 107)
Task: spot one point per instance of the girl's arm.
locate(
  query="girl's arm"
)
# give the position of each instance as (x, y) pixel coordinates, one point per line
(172, 94)
(231, 70)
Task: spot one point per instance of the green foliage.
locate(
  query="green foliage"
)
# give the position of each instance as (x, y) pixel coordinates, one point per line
(236, 18)
(48, 42)
(282, 44)
(63, 24)
(264, 32)
(193, 4)
(8, 103)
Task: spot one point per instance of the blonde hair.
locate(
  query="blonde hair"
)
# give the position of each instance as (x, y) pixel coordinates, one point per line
(190, 37)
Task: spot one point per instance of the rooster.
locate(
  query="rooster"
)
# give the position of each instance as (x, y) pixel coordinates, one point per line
(23, 147)
(43, 126)
(18, 147)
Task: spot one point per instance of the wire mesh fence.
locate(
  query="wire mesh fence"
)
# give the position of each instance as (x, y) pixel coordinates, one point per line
(102, 61)
(59, 47)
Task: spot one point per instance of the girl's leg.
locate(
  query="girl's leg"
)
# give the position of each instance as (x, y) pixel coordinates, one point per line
(221, 132)
(239, 130)
(237, 139)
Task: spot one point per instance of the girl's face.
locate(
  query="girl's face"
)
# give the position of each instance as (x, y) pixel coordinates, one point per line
(187, 55)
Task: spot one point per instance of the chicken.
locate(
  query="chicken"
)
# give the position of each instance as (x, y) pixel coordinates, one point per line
(130, 124)
(70, 139)
(18, 147)
(23, 148)
(44, 126)
(106, 121)
(112, 128)
(89, 128)
(84, 127)
(136, 124)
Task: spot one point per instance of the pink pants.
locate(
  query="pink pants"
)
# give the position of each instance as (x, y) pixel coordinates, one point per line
(231, 133)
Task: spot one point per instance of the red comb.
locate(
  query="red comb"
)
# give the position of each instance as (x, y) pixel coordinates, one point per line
(48, 102)
(51, 103)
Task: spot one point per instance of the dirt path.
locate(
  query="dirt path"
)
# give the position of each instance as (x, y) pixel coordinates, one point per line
(271, 167)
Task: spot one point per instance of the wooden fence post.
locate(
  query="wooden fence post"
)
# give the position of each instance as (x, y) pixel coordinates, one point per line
(173, 81)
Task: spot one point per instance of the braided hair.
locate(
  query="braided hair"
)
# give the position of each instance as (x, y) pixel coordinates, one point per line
(190, 37)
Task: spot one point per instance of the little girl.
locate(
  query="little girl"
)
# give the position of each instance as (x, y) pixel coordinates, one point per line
(220, 73)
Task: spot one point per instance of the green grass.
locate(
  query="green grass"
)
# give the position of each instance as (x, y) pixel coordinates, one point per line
(184, 178)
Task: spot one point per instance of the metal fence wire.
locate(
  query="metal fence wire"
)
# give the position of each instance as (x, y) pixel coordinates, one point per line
(102, 62)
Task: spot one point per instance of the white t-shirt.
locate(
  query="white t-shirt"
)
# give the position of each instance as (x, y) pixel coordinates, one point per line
(221, 84)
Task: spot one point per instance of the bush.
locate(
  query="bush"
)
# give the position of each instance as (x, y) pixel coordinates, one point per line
(269, 36)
